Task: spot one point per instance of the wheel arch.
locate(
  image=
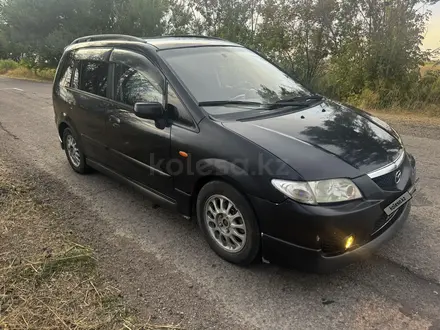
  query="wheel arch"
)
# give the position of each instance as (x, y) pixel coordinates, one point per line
(62, 127)
(204, 180)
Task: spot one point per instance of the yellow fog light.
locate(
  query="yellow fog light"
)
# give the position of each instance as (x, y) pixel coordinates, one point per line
(349, 242)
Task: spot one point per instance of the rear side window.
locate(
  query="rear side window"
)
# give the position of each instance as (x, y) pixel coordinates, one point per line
(134, 86)
(66, 72)
(93, 77)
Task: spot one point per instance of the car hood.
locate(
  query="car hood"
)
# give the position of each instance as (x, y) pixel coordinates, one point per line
(326, 141)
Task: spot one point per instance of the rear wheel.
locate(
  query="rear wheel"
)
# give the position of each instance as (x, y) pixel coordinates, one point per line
(74, 152)
(228, 223)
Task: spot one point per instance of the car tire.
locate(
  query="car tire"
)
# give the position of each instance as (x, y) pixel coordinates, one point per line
(74, 152)
(228, 223)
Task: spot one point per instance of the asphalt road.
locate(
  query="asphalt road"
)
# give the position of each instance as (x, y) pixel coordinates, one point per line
(399, 288)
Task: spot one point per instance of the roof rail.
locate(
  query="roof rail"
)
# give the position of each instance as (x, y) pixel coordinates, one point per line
(185, 36)
(100, 37)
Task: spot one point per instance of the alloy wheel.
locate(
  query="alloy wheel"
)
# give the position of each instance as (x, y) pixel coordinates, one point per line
(225, 223)
(73, 151)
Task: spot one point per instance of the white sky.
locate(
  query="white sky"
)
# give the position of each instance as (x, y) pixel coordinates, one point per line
(432, 38)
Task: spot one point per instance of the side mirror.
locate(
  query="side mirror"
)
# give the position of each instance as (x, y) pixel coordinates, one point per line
(152, 110)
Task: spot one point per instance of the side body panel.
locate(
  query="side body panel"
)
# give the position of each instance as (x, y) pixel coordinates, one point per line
(215, 152)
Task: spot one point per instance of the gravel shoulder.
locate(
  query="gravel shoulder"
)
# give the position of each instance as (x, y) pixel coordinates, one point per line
(47, 280)
(144, 293)
(412, 124)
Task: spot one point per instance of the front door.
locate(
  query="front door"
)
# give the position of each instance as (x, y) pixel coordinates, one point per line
(137, 148)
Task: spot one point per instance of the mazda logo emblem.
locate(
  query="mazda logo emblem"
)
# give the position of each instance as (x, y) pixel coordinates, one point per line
(398, 176)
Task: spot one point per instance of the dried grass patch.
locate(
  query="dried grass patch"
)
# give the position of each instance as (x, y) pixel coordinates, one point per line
(408, 117)
(47, 281)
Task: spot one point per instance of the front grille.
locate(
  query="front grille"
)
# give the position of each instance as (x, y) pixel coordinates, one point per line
(385, 221)
(387, 181)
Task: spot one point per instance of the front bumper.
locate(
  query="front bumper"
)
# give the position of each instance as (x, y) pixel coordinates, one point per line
(312, 237)
(279, 251)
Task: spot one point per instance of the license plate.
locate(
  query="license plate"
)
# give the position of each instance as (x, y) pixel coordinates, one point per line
(399, 202)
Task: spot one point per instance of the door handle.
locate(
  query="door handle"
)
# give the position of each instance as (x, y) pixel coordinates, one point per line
(114, 120)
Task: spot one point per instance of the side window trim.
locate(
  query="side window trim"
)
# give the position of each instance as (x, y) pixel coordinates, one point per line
(79, 66)
(91, 94)
(110, 80)
(76, 65)
(73, 73)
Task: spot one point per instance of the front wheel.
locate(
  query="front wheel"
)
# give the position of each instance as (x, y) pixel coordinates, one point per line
(228, 223)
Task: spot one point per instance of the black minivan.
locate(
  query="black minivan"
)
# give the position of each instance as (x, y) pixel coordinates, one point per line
(210, 128)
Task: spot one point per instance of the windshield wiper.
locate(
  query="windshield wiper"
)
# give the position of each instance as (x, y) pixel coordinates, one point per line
(293, 102)
(220, 103)
(300, 100)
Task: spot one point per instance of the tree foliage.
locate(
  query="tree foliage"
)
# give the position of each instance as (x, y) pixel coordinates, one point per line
(343, 48)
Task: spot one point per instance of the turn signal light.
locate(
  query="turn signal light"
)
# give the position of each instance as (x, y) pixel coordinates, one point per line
(349, 242)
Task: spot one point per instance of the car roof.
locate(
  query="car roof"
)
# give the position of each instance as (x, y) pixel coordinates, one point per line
(164, 42)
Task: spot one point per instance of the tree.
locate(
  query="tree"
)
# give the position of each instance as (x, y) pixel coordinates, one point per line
(180, 18)
(142, 18)
(342, 48)
(41, 29)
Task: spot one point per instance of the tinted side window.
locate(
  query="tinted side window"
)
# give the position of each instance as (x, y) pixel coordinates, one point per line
(132, 86)
(66, 73)
(93, 77)
(179, 113)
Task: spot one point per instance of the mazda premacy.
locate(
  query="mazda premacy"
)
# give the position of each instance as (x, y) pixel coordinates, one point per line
(270, 170)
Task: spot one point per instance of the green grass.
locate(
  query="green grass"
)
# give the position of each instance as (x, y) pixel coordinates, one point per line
(7, 65)
(14, 69)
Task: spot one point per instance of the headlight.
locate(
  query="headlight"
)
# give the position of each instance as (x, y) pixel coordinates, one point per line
(317, 192)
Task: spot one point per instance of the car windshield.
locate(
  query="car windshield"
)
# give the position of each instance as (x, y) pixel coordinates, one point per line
(232, 79)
